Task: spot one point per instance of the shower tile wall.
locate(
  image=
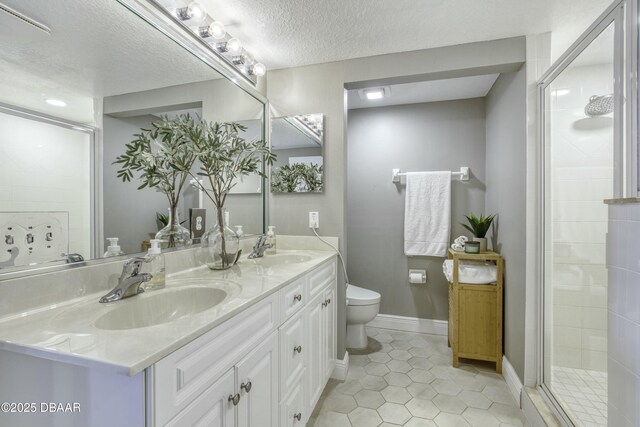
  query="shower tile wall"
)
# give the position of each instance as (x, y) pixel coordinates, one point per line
(582, 178)
(623, 259)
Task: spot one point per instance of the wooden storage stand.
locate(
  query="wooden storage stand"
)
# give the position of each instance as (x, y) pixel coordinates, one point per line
(475, 313)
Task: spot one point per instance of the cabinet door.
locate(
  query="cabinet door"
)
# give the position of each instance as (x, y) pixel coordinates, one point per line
(293, 412)
(212, 408)
(314, 357)
(293, 347)
(329, 331)
(257, 383)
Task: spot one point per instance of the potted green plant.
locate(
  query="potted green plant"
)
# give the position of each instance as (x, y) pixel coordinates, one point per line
(223, 157)
(479, 225)
(161, 159)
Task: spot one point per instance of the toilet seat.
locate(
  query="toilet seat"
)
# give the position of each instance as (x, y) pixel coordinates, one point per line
(361, 296)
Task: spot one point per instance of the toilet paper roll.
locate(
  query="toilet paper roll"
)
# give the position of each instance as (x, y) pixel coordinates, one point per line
(418, 277)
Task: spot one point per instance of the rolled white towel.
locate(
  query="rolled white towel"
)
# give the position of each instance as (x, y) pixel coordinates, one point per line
(458, 248)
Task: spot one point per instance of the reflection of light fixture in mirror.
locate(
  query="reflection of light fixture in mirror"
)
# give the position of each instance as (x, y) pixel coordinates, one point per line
(194, 11)
(56, 102)
(560, 92)
(215, 29)
(312, 122)
(257, 69)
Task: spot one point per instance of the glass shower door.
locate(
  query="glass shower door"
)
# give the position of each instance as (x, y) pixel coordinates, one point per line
(578, 165)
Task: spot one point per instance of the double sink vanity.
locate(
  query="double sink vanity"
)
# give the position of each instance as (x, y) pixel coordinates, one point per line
(253, 345)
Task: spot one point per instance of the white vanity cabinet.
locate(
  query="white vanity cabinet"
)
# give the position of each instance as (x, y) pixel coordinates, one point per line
(265, 367)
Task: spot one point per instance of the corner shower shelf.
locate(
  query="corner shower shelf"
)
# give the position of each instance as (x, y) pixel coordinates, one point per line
(475, 313)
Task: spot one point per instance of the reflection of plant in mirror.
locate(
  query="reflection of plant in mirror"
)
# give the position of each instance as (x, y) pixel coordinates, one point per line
(161, 157)
(298, 177)
(224, 157)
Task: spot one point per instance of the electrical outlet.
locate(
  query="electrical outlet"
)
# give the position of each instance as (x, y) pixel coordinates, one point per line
(314, 220)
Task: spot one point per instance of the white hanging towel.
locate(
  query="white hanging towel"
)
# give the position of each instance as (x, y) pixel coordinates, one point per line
(427, 213)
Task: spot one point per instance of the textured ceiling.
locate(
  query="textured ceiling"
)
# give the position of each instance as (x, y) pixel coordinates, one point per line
(92, 52)
(287, 33)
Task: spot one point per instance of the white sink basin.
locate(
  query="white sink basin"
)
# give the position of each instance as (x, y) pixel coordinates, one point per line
(158, 307)
(284, 259)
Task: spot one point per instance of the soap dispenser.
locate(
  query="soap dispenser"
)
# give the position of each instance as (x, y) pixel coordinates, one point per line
(113, 249)
(271, 239)
(154, 264)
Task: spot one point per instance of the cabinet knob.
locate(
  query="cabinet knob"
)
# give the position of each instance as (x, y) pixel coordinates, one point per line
(297, 297)
(297, 349)
(234, 399)
(328, 301)
(246, 387)
(324, 304)
(298, 416)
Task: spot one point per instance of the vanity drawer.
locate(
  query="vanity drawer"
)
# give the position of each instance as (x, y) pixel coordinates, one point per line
(320, 277)
(185, 374)
(292, 348)
(293, 298)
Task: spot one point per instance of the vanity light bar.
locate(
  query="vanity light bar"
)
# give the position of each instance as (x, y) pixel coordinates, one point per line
(195, 17)
(313, 122)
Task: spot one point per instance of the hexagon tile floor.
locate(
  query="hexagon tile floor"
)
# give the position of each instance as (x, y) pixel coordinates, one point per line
(409, 381)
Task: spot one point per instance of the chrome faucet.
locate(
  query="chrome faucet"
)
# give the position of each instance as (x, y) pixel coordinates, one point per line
(129, 282)
(259, 248)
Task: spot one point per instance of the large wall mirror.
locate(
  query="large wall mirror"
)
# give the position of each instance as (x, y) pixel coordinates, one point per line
(298, 141)
(72, 94)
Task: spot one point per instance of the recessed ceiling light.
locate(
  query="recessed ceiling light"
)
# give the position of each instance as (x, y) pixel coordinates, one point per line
(373, 94)
(56, 102)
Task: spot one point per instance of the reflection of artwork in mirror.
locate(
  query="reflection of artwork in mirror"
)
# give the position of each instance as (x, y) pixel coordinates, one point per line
(298, 142)
(66, 117)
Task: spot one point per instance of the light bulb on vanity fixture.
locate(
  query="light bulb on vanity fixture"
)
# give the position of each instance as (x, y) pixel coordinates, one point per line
(194, 12)
(257, 69)
(216, 30)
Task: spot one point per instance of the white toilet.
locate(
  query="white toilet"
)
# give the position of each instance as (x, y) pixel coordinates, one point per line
(363, 306)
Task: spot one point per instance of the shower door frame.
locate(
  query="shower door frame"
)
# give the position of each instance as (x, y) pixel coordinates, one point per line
(624, 15)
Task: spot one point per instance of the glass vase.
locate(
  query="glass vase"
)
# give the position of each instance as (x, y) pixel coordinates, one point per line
(220, 244)
(174, 235)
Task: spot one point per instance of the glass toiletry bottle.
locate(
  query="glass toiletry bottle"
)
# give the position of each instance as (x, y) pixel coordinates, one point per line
(239, 231)
(154, 265)
(271, 239)
(113, 249)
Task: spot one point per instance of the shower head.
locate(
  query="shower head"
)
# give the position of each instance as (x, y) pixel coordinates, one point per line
(599, 105)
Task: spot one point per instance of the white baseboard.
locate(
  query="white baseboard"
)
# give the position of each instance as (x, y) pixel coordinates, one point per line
(410, 324)
(341, 368)
(512, 379)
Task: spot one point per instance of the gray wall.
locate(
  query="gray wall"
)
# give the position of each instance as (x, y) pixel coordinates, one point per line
(417, 137)
(320, 89)
(506, 195)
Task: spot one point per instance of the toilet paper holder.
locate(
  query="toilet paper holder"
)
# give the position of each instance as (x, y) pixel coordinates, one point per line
(417, 276)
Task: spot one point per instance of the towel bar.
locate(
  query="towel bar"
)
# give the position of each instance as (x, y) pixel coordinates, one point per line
(462, 175)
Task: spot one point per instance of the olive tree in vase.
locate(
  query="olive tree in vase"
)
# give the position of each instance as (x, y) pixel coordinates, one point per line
(161, 157)
(224, 157)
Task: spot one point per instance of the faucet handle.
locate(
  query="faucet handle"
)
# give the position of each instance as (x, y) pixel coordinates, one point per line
(132, 266)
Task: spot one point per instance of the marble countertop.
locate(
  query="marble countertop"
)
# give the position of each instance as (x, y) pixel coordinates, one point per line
(67, 332)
